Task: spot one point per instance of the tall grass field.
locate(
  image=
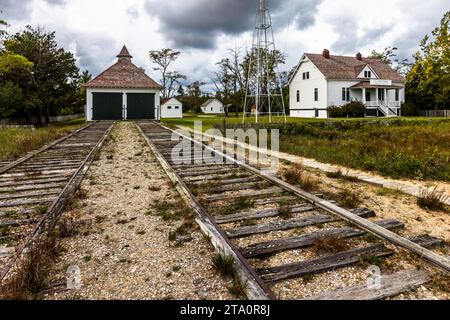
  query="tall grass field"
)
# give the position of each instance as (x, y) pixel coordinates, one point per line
(415, 148)
(15, 142)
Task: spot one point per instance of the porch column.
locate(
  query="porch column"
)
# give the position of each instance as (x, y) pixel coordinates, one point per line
(377, 96)
(385, 96)
(364, 96)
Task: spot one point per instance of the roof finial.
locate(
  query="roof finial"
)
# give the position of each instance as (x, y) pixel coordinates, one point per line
(124, 54)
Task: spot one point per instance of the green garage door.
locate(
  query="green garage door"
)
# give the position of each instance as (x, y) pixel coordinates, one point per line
(140, 106)
(107, 106)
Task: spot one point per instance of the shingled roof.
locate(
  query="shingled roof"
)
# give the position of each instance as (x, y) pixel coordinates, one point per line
(123, 75)
(348, 68)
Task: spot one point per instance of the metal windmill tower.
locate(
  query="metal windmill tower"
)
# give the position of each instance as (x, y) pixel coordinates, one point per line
(263, 91)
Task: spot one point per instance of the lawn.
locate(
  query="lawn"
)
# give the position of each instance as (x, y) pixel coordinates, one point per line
(417, 148)
(15, 142)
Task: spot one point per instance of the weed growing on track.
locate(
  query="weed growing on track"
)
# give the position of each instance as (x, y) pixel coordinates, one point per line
(329, 244)
(224, 264)
(30, 278)
(432, 199)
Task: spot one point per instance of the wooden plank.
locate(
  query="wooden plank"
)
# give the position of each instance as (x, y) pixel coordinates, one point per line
(275, 246)
(23, 212)
(43, 180)
(16, 223)
(260, 214)
(334, 261)
(390, 286)
(234, 187)
(216, 177)
(32, 187)
(194, 173)
(18, 203)
(45, 173)
(230, 181)
(22, 195)
(271, 190)
(287, 224)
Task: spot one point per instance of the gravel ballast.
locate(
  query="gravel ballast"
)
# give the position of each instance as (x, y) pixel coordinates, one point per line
(124, 252)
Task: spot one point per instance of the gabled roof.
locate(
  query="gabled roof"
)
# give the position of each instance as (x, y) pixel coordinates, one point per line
(165, 100)
(348, 68)
(207, 102)
(124, 75)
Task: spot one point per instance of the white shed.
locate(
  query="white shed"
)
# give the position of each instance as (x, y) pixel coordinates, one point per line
(123, 91)
(171, 108)
(213, 106)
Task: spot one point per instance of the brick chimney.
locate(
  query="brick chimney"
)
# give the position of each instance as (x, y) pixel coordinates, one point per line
(359, 56)
(326, 53)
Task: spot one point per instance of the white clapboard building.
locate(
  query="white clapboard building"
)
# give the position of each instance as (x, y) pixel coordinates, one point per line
(323, 80)
(122, 92)
(213, 106)
(171, 108)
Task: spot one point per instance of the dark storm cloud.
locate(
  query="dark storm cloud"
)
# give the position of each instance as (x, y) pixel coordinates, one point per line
(15, 10)
(89, 49)
(197, 23)
(19, 10)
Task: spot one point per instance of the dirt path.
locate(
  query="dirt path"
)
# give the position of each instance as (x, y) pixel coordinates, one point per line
(126, 252)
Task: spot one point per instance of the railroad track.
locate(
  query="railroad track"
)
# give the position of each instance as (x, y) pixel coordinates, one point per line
(35, 189)
(272, 228)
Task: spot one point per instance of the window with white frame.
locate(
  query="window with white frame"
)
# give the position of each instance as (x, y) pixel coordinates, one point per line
(367, 74)
(298, 95)
(345, 94)
(316, 94)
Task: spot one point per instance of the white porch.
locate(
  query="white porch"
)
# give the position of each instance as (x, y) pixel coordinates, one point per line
(380, 100)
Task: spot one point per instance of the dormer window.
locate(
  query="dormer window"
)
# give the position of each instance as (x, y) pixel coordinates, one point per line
(367, 74)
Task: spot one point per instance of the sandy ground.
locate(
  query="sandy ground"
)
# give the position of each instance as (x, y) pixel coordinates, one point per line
(126, 253)
(387, 204)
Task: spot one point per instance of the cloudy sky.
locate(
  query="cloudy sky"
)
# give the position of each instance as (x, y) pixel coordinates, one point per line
(95, 30)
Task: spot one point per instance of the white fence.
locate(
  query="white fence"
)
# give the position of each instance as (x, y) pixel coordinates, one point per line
(23, 122)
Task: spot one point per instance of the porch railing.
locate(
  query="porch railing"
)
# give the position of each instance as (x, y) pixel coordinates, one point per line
(380, 103)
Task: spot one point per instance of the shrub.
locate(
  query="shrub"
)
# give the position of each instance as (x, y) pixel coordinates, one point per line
(354, 109)
(335, 112)
(409, 109)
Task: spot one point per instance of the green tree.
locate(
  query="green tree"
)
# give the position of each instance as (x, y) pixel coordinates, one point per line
(11, 99)
(389, 56)
(428, 82)
(54, 77)
(194, 97)
(163, 59)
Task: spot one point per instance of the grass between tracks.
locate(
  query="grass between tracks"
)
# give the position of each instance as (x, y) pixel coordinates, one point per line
(15, 142)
